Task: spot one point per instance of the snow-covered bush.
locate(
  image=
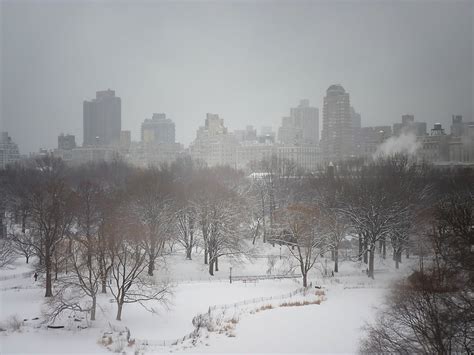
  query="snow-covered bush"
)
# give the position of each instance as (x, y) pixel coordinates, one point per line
(14, 323)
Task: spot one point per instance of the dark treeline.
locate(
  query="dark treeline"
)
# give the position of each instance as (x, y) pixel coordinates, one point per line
(103, 227)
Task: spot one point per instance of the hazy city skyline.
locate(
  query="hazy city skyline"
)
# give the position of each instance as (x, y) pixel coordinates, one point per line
(249, 62)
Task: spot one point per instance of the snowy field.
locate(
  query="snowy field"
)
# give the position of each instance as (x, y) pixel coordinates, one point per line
(333, 326)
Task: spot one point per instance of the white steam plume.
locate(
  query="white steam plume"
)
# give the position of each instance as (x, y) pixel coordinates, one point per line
(406, 143)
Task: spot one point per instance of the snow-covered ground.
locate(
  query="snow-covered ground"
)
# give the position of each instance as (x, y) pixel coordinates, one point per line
(332, 326)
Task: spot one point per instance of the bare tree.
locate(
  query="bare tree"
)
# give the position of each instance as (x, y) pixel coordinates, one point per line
(274, 182)
(302, 231)
(423, 316)
(224, 236)
(130, 284)
(379, 200)
(151, 200)
(336, 226)
(433, 310)
(23, 242)
(85, 247)
(51, 204)
(186, 227)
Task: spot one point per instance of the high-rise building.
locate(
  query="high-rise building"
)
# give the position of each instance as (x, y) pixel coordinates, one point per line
(307, 118)
(213, 144)
(158, 129)
(409, 125)
(337, 133)
(9, 152)
(102, 119)
(301, 127)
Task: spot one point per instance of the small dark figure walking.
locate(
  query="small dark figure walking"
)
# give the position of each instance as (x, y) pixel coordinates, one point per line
(36, 276)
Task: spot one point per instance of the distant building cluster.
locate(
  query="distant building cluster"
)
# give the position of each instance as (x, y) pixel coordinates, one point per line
(342, 138)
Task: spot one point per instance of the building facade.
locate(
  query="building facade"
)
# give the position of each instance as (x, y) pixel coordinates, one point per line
(158, 130)
(301, 127)
(213, 144)
(9, 152)
(102, 119)
(337, 139)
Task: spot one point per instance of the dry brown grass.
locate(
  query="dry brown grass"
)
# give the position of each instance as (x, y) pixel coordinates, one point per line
(299, 303)
(264, 308)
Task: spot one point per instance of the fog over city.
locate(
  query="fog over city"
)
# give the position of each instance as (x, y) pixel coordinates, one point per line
(253, 176)
(248, 61)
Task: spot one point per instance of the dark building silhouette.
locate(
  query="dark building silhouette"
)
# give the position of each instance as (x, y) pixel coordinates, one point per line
(102, 119)
(66, 142)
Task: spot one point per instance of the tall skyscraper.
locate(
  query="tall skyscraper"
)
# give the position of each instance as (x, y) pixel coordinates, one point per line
(158, 129)
(102, 119)
(301, 127)
(337, 134)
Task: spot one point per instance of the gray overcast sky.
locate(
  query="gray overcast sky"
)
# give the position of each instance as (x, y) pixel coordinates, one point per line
(248, 61)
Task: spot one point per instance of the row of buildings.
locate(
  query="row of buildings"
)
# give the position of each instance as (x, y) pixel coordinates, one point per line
(342, 137)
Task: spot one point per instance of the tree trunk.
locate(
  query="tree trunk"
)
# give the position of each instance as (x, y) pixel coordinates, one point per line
(27, 259)
(103, 277)
(211, 267)
(336, 259)
(205, 253)
(40, 254)
(396, 263)
(49, 283)
(191, 242)
(23, 223)
(384, 248)
(360, 247)
(151, 259)
(365, 250)
(151, 266)
(216, 263)
(371, 261)
(305, 279)
(119, 311)
(94, 304)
